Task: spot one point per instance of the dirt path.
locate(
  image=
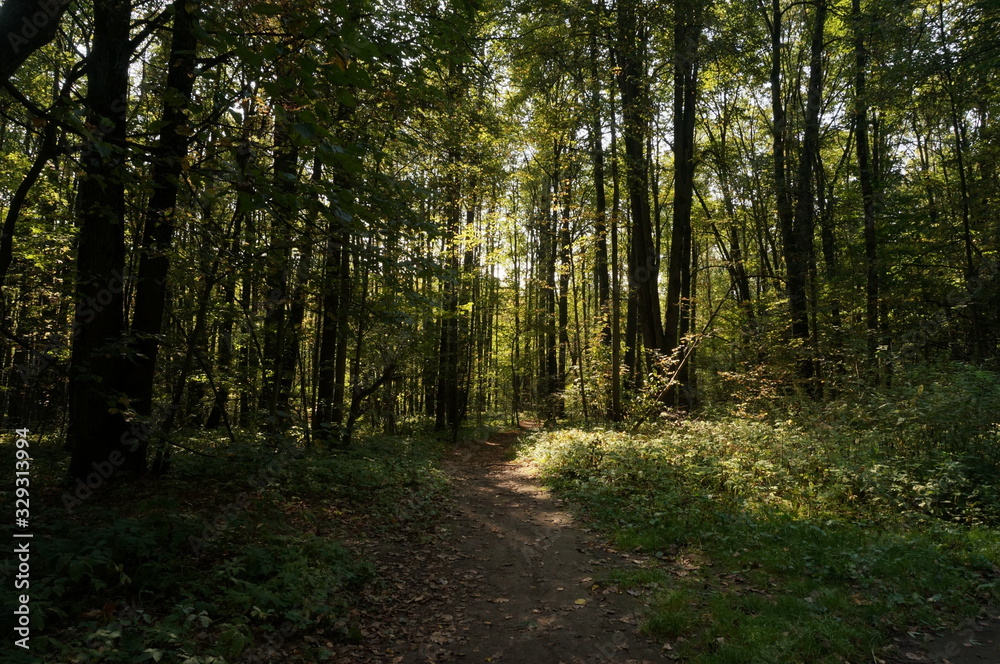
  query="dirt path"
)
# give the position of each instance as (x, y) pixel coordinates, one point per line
(978, 643)
(505, 576)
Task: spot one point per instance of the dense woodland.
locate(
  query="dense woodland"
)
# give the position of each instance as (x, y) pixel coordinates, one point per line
(316, 216)
(299, 225)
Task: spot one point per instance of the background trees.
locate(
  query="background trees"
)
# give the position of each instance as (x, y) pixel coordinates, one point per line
(310, 219)
(247, 242)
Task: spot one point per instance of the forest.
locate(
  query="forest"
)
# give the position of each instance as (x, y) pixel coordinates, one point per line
(289, 289)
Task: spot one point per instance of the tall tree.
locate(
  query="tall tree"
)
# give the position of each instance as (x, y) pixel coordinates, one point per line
(865, 177)
(97, 429)
(679, 310)
(634, 88)
(158, 228)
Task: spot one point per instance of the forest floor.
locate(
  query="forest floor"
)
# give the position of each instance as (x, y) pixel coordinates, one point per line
(506, 576)
(979, 643)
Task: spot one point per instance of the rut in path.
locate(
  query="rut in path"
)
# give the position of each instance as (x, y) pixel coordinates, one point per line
(505, 576)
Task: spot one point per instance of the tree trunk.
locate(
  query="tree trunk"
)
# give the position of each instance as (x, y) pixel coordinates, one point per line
(564, 285)
(644, 264)
(866, 178)
(158, 232)
(280, 330)
(98, 433)
(600, 198)
(677, 323)
(447, 396)
(799, 253)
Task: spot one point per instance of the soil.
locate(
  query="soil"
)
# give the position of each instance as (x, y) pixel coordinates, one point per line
(505, 576)
(978, 643)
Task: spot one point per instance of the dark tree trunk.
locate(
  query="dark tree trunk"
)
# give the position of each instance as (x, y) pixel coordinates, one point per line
(865, 176)
(799, 254)
(279, 325)
(678, 314)
(331, 328)
(600, 198)
(98, 433)
(550, 348)
(782, 190)
(158, 230)
(644, 264)
(564, 285)
(447, 397)
(26, 26)
(46, 151)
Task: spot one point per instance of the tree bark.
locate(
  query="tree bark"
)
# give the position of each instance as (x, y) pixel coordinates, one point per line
(26, 26)
(158, 231)
(799, 253)
(865, 176)
(678, 314)
(644, 264)
(600, 197)
(97, 429)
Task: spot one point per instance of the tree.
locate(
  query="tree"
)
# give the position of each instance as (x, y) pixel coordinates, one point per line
(97, 431)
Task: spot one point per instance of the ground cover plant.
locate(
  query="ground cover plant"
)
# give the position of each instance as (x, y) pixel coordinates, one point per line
(811, 537)
(237, 557)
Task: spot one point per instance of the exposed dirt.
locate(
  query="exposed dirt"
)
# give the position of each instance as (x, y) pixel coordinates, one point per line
(505, 576)
(978, 643)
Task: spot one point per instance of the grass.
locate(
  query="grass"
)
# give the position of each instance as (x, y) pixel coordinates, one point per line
(229, 558)
(798, 540)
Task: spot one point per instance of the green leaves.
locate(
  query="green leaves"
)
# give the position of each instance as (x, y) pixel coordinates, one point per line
(803, 543)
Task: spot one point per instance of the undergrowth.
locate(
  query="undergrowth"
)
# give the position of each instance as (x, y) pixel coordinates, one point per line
(233, 557)
(809, 537)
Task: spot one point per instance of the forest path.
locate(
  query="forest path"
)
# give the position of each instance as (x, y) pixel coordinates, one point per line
(505, 576)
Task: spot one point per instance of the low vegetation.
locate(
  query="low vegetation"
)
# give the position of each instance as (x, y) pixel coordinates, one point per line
(802, 536)
(239, 556)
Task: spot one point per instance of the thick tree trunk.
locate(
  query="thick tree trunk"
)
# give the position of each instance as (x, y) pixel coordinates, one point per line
(98, 433)
(644, 264)
(678, 314)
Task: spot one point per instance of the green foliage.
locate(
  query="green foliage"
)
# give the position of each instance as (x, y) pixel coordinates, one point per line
(390, 477)
(802, 539)
(232, 555)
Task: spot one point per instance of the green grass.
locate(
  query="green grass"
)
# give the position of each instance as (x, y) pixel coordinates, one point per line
(784, 542)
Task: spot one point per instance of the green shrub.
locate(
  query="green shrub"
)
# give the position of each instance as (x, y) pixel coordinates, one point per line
(836, 536)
